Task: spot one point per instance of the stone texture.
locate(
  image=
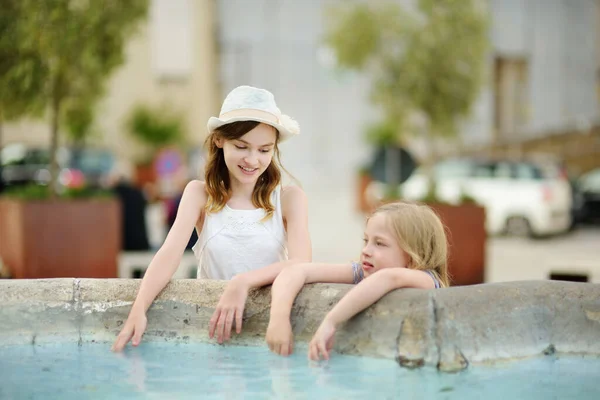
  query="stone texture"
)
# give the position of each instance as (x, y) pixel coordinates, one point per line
(37, 311)
(448, 328)
(493, 321)
(17, 291)
(518, 319)
(575, 323)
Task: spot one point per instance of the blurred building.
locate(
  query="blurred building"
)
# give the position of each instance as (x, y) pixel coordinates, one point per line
(543, 81)
(278, 45)
(171, 61)
(542, 96)
(544, 66)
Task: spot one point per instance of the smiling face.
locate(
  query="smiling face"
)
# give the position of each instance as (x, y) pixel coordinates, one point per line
(250, 155)
(381, 249)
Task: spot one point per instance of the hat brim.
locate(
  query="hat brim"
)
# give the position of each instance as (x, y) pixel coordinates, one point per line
(214, 123)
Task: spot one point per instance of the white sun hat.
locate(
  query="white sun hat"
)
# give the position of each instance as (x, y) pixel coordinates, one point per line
(247, 103)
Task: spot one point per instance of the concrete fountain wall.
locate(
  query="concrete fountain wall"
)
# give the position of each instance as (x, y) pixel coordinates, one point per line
(448, 328)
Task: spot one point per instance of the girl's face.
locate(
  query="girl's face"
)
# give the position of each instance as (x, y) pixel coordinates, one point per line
(381, 248)
(250, 155)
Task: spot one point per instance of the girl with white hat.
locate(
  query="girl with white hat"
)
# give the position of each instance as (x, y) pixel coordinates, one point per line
(249, 227)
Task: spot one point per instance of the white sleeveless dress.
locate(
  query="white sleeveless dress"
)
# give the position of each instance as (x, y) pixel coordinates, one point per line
(235, 241)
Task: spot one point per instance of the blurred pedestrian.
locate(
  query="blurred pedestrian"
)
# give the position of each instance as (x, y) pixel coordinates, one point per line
(133, 208)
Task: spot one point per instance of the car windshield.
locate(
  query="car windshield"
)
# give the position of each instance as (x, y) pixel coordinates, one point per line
(591, 181)
(18, 155)
(452, 169)
(91, 161)
(528, 171)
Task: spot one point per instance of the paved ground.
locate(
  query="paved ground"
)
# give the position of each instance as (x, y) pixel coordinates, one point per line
(577, 252)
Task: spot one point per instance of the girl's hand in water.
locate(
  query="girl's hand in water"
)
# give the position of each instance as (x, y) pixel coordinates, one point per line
(231, 306)
(134, 328)
(322, 342)
(279, 336)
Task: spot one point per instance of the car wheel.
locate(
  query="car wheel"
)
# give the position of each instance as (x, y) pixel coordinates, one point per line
(518, 226)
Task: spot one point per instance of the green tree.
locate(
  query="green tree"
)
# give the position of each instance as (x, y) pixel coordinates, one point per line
(79, 44)
(22, 73)
(429, 61)
(155, 127)
(78, 118)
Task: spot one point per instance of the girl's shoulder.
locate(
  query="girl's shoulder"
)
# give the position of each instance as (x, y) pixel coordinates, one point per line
(292, 190)
(292, 193)
(293, 199)
(196, 185)
(195, 191)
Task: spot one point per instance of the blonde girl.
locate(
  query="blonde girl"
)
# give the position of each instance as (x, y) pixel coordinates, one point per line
(404, 246)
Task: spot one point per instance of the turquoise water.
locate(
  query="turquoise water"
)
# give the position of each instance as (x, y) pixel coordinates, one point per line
(191, 371)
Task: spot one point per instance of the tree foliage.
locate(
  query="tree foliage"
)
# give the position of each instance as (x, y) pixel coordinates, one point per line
(155, 127)
(430, 60)
(22, 72)
(64, 51)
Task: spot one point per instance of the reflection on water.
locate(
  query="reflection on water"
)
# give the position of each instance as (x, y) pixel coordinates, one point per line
(181, 371)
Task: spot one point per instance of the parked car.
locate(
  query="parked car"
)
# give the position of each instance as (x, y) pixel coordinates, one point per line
(521, 198)
(587, 197)
(23, 164)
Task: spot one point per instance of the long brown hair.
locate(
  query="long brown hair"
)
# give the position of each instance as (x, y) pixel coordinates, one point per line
(218, 184)
(422, 236)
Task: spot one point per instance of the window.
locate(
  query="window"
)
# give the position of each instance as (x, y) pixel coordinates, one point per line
(171, 38)
(527, 171)
(591, 181)
(503, 171)
(510, 93)
(498, 170)
(484, 170)
(37, 157)
(452, 169)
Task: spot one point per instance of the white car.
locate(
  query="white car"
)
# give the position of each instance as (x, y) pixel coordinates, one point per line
(520, 198)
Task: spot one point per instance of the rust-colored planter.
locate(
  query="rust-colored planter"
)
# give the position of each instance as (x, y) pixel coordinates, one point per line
(61, 238)
(144, 174)
(362, 184)
(465, 227)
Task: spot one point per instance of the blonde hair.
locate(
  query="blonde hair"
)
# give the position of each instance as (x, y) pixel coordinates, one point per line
(422, 236)
(216, 175)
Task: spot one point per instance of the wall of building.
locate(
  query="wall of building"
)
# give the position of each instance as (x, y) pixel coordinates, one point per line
(277, 45)
(557, 41)
(191, 53)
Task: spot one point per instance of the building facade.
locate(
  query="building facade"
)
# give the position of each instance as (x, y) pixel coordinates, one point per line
(542, 76)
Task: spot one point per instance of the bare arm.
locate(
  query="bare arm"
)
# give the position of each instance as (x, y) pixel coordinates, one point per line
(374, 288)
(279, 335)
(360, 297)
(233, 300)
(167, 259)
(163, 264)
(290, 281)
(295, 212)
